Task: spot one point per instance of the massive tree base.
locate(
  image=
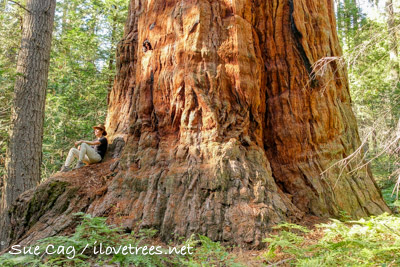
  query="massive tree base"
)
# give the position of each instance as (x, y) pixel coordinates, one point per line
(231, 198)
(230, 124)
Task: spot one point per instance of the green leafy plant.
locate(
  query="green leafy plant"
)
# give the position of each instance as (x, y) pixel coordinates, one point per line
(367, 242)
(207, 253)
(93, 232)
(89, 234)
(289, 239)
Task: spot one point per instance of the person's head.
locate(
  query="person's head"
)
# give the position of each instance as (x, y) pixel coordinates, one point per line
(99, 130)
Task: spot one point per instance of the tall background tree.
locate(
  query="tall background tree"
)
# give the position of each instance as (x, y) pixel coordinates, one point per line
(25, 149)
(393, 42)
(10, 36)
(24, 155)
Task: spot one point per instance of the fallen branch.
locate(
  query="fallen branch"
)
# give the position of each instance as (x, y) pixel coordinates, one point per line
(396, 188)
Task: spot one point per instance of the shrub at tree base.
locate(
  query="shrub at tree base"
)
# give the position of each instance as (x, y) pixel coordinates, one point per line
(93, 231)
(372, 241)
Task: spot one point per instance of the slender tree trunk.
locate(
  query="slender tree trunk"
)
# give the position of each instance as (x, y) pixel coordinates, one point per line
(393, 42)
(356, 16)
(25, 148)
(394, 63)
(111, 65)
(348, 21)
(64, 20)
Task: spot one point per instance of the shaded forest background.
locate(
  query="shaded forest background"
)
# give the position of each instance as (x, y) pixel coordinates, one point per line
(82, 70)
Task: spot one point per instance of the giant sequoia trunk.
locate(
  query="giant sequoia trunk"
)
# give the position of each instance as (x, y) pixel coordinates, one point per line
(227, 127)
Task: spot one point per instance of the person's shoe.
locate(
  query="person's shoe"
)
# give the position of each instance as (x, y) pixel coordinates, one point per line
(65, 168)
(79, 164)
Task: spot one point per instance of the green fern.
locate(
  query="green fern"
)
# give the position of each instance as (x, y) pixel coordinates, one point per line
(207, 253)
(366, 242)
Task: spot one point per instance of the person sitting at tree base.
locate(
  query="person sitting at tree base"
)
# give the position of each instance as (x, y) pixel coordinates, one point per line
(86, 153)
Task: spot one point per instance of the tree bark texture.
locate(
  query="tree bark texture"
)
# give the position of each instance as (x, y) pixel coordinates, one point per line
(230, 121)
(25, 149)
(227, 127)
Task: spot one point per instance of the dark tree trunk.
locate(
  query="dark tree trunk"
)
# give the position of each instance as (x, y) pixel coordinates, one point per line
(25, 149)
(227, 126)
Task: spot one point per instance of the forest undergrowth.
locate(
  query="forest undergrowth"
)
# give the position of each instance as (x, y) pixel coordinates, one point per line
(373, 241)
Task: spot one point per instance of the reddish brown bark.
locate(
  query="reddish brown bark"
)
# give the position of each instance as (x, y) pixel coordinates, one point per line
(228, 127)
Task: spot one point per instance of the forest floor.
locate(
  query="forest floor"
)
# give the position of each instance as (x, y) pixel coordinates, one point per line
(314, 241)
